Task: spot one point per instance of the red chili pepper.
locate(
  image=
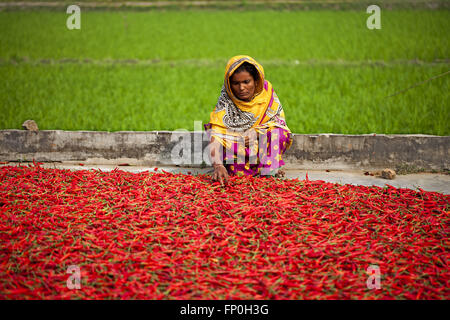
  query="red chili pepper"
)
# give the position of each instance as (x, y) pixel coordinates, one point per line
(163, 235)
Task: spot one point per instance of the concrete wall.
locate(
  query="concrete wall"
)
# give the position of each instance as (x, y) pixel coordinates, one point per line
(153, 148)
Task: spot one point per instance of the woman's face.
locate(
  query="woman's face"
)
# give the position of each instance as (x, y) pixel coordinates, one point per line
(243, 85)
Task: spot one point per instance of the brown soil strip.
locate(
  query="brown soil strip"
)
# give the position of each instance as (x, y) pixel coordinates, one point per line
(219, 62)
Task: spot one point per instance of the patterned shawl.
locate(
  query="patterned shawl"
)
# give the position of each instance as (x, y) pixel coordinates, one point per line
(232, 117)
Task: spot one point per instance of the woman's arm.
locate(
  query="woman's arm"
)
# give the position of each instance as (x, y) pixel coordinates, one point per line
(215, 152)
(220, 172)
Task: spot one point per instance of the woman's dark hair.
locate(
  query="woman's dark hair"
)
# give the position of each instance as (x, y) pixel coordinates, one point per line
(249, 68)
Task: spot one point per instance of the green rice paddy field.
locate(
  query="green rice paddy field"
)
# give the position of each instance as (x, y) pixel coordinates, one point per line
(163, 69)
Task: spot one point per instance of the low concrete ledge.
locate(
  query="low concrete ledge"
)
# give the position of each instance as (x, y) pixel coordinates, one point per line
(153, 148)
(334, 151)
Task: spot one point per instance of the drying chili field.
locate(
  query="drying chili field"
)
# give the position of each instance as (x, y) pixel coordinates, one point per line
(159, 235)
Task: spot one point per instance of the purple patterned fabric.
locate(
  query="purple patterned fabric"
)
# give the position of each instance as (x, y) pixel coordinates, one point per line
(272, 146)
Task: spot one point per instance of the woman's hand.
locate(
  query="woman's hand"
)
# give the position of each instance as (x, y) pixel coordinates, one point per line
(220, 174)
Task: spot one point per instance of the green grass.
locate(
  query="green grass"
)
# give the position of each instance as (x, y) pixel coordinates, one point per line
(338, 99)
(319, 35)
(334, 88)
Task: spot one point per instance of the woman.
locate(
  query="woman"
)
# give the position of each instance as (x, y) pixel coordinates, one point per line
(247, 128)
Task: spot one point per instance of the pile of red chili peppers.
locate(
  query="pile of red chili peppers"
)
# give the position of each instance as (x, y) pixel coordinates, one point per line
(155, 235)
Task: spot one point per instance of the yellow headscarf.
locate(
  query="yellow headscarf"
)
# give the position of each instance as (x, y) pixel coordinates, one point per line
(232, 116)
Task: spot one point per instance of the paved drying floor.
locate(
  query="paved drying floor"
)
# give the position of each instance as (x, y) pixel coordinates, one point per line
(426, 181)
